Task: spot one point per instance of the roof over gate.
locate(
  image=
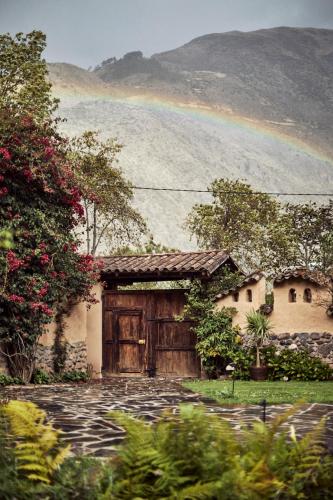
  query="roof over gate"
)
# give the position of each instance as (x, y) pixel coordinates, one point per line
(165, 266)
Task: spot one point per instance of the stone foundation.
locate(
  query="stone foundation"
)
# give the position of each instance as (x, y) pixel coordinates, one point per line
(317, 344)
(76, 358)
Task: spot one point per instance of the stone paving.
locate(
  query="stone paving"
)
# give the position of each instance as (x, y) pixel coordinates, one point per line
(80, 410)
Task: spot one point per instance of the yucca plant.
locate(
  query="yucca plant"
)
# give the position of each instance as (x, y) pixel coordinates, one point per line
(260, 328)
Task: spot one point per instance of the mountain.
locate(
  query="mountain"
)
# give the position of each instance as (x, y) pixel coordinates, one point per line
(254, 105)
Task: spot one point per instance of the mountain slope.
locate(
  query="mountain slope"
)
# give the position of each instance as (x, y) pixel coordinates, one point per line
(215, 107)
(280, 75)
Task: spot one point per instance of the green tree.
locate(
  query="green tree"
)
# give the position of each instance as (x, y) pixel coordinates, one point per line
(311, 228)
(23, 76)
(148, 246)
(107, 196)
(245, 223)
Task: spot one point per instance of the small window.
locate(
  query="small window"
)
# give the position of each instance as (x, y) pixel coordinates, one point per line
(307, 296)
(235, 296)
(292, 295)
(249, 295)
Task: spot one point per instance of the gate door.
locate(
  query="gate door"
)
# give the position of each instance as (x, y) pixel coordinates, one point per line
(126, 341)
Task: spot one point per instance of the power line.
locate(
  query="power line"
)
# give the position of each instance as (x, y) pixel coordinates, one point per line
(245, 193)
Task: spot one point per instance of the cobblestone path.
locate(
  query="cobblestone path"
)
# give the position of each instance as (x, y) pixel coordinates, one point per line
(80, 410)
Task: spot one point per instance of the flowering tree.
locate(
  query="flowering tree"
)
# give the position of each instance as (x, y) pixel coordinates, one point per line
(40, 205)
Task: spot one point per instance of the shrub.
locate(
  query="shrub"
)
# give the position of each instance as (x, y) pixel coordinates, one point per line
(42, 377)
(8, 380)
(216, 341)
(296, 365)
(74, 376)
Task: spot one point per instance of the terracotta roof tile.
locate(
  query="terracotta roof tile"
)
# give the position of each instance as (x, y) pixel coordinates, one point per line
(316, 277)
(250, 278)
(178, 262)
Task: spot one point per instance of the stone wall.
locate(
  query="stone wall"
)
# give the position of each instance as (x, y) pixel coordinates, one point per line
(76, 358)
(317, 344)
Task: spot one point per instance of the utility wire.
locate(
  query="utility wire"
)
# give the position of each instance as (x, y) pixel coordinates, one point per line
(245, 193)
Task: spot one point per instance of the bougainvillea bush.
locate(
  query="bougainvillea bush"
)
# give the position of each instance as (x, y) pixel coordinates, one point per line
(40, 205)
(41, 268)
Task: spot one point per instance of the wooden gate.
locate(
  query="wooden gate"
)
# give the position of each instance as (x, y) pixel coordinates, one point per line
(141, 332)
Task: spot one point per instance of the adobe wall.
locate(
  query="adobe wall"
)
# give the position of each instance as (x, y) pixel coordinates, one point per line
(244, 306)
(296, 325)
(83, 333)
(300, 316)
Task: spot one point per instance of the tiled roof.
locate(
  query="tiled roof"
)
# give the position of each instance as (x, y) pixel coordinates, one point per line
(315, 277)
(180, 262)
(248, 280)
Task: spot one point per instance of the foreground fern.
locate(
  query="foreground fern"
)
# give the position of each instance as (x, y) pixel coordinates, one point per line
(37, 449)
(189, 456)
(198, 456)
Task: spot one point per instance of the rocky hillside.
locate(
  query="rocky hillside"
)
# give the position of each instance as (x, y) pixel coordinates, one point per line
(280, 78)
(282, 75)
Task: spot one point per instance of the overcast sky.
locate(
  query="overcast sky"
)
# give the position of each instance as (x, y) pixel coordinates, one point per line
(84, 32)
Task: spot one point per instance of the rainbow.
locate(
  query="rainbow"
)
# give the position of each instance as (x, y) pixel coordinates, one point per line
(201, 112)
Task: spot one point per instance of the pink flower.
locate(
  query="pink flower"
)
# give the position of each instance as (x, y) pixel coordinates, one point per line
(5, 153)
(3, 191)
(2, 178)
(43, 291)
(16, 298)
(13, 262)
(27, 174)
(45, 259)
(40, 306)
(49, 151)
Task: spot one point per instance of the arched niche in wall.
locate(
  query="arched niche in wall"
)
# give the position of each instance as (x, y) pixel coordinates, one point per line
(307, 295)
(292, 295)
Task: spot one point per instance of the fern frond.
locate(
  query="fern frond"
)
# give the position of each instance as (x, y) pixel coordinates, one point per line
(37, 446)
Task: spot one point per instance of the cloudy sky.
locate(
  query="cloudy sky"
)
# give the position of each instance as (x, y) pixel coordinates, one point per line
(84, 32)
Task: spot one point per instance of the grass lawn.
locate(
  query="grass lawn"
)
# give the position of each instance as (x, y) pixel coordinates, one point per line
(249, 392)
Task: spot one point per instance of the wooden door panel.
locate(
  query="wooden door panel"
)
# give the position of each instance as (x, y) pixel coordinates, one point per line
(175, 334)
(129, 332)
(176, 363)
(130, 358)
(129, 326)
(175, 352)
(130, 342)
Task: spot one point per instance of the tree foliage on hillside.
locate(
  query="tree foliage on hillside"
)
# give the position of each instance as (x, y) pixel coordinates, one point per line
(260, 232)
(311, 227)
(110, 218)
(244, 222)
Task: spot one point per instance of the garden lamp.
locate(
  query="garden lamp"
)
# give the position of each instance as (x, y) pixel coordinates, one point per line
(230, 370)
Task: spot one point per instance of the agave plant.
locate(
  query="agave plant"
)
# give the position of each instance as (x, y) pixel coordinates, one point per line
(259, 327)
